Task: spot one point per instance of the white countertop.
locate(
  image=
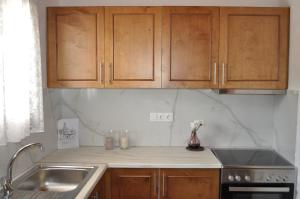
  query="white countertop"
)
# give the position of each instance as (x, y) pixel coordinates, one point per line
(137, 157)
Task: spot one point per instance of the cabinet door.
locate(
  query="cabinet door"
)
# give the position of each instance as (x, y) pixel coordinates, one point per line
(103, 188)
(98, 191)
(190, 38)
(189, 183)
(75, 47)
(133, 47)
(254, 48)
(134, 183)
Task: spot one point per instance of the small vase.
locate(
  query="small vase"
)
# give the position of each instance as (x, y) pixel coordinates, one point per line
(194, 141)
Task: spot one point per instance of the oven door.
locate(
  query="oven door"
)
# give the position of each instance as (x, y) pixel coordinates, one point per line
(257, 191)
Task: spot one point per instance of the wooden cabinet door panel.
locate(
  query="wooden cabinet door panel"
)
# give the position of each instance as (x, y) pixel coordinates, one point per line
(189, 183)
(133, 47)
(254, 48)
(75, 46)
(190, 47)
(103, 188)
(134, 183)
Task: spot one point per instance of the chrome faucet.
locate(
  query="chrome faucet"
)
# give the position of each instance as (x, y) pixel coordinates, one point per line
(7, 180)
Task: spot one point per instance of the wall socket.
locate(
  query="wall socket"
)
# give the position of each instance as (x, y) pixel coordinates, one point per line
(161, 117)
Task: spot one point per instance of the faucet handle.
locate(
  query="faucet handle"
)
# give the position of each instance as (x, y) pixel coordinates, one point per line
(6, 186)
(42, 148)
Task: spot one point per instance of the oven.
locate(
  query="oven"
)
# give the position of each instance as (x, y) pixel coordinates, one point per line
(255, 174)
(257, 191)
(257, 183)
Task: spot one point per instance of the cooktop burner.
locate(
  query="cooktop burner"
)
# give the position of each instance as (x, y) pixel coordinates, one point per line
(251, 158)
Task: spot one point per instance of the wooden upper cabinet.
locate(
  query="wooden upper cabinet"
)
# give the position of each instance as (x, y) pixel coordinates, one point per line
(189, 183)
(75, 47)
(133, 47)
(254, 48)
(134, 183)
(190, 38)
(168, 47)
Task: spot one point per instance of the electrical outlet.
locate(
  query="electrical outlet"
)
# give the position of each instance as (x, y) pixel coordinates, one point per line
(161, 117)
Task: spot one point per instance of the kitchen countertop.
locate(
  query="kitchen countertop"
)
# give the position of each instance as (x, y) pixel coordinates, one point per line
(136, 157)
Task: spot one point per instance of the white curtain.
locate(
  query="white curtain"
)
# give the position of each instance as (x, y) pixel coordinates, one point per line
(21, 102)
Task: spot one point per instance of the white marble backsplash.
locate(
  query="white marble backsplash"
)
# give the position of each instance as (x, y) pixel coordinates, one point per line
(230, 120)
(285, 124)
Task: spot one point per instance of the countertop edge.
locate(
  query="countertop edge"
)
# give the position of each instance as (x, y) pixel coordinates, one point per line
(92, 182)
(165, 166)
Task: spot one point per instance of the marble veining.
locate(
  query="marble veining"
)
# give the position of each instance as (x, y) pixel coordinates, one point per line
(174, 119)
(235, 120)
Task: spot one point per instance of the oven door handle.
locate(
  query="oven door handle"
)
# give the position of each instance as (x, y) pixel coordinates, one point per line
(260, 189)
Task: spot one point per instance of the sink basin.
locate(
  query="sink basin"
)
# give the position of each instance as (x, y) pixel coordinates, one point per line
(55, 179)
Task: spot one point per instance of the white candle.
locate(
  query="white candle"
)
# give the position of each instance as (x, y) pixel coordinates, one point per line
(124, 141)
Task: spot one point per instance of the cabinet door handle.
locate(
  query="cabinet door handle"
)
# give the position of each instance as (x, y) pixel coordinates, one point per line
(102, 73)
(154, 182)
(163, 184)
(111, 73)
(223, 71)
(215, 73)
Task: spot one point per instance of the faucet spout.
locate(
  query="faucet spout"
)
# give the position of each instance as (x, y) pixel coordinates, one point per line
(6, 182)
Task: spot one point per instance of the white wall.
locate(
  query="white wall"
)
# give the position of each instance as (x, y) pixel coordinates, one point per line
(294, 80)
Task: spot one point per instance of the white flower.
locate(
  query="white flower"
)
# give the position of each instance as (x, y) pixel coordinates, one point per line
(195, 125)
(192, 124)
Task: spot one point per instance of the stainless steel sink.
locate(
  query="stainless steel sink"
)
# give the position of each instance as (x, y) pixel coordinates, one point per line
(64, 180)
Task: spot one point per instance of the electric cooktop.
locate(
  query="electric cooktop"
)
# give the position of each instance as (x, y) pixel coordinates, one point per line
(251, 158)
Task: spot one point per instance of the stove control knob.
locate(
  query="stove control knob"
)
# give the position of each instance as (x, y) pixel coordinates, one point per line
(238, 178)
(268, 178)
(247, 178)
(230, 178)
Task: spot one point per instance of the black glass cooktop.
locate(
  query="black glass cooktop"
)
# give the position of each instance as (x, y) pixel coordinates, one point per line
(251, 158)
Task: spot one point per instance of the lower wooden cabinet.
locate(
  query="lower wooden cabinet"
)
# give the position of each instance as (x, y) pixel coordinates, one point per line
(158, 183)
(134, 183)
(189, 183)
(103, 188)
